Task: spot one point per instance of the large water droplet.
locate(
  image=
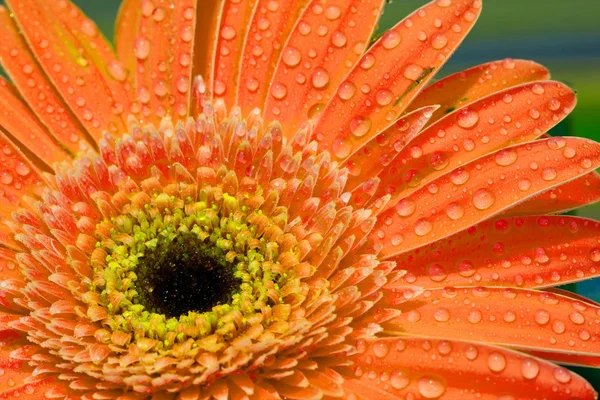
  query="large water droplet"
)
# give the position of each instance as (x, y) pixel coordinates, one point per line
(346, 90)
(483, 199)
(496, 361)
(467, 118)
(430, 387)
(320, 78)
(291, 56)
(360, 126)
(390, 39)
(278, 90)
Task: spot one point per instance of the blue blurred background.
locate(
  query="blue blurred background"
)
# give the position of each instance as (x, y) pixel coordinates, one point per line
(564, 35)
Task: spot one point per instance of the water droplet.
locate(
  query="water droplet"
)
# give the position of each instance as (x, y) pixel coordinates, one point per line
(542, 317)
(439, 41)
(333, 12)
(562, 375)
(467, 118)
(278, 90)
(438, 160)
(483, 199)
(367, 61)
(342, 148)
(437, 273)
(142, 48)
(360, 126)
(413, 72)
(405, 207)
(576, 318)
(228, 32)
(530, 368)
(390, 40)
(383, 97)
(116, 70)
(381, 349)
(399, 380)
(291, 56)
(346, 90)
(537, 89)
(22, 169)
(496, 361)
(474, 316)
(524, 184)
(423, 227)
(320, 78)
(459, 176)
(441, 315)
(338, 39)
(466, 269)
(430, 387)
(6, 177)
(554, 104)
(506, 157)
(548, 174)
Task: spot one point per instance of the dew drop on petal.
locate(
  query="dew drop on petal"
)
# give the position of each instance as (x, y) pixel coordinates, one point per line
(405, 207)
(423, 227)
(399, 380)
(467, 118)
(278, 90)
(342, 148)
(346, 90)
(548, 174)
(483, 199)
(496, 361)
(562, 375)
(360, 126)
(441, 315)
(381, 349)
(291, 56)
(530, 368)
(430, 387)
(506, 157)
(319, 78)
(390, 40)
(413, 72)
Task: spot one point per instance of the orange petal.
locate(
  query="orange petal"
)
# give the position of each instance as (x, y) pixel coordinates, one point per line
(17, 381)
(330, 40)
(19, 177)
(480, 190)
(164, 54)
(262, 49)
(391, 369)
(231, 36)
(25, 73)
(467, 86)
(24, 128)
(516, 115)
(74, 62)
(208, 20)
(374, 155)
(392, 72)
(126, 31)
(520, 318)
(508, 252)
(579, 192)
(580, 360)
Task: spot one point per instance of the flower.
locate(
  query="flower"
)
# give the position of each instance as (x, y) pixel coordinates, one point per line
(310, 220)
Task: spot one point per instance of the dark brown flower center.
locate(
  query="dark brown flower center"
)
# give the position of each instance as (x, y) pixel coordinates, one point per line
(184, 274)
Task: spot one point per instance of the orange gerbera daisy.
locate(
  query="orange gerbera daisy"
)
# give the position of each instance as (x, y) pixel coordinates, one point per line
(307, 221)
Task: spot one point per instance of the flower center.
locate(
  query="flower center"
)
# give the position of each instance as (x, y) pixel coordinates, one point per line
(182, 275)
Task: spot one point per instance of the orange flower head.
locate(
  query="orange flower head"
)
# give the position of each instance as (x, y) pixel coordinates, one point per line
(250, 199)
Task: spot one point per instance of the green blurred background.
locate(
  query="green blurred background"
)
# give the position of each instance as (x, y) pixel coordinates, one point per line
(564, 35)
